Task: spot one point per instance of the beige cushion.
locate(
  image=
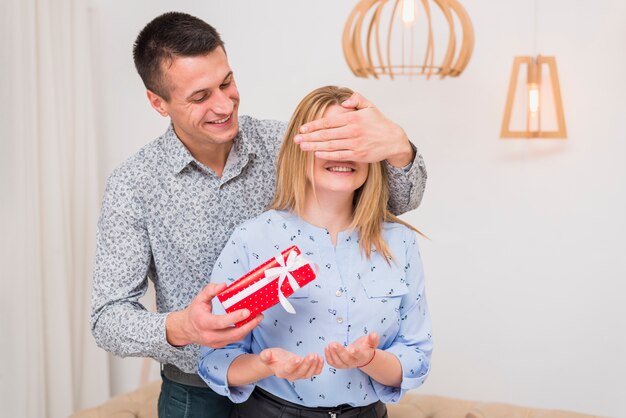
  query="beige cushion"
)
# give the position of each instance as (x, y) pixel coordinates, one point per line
(142, 403)
(429, 406)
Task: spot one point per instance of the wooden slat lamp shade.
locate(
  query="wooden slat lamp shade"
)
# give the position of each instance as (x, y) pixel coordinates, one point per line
(533, 107)
(379, 38)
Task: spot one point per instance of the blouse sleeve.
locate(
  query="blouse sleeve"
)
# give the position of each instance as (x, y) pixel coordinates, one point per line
(214, 363)
(412, 346)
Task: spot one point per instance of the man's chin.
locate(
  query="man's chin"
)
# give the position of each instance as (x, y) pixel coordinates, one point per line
(221, 136)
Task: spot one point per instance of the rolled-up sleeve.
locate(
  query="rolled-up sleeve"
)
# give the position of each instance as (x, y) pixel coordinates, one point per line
(413, 344)
(406, 184)
(214, 363)
(213, 369)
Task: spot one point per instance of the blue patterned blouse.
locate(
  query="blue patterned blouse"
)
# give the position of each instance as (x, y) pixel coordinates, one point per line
(350, 297)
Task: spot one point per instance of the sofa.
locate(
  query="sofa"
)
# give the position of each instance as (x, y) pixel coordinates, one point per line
(142, 403)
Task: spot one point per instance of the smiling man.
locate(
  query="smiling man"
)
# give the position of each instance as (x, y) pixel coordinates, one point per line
(169, 209)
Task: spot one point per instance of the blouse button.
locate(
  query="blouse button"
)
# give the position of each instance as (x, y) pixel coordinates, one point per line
(338, 293)
(339, 320)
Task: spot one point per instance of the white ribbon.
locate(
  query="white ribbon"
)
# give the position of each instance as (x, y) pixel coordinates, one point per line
(294, 262)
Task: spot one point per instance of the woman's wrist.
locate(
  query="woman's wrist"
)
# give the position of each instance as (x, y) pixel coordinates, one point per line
(385, 368)
(369, 361)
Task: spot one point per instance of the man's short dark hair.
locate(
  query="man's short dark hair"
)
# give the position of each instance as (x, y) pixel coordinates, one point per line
(168, 36)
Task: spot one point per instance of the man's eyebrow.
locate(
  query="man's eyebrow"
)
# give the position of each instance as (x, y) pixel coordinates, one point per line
(230, 73)
(196, 92)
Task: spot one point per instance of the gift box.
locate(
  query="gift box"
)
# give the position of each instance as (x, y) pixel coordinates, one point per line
(270, 283)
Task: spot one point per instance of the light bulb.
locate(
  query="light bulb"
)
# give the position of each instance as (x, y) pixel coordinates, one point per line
(533, 98)
(408, 12)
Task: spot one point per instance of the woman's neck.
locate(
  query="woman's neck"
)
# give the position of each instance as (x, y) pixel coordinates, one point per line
(332, 211)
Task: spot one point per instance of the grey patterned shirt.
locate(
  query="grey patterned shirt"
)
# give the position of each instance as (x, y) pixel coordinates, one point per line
(166, 217)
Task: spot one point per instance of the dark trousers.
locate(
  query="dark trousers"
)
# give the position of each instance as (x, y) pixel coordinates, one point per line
(182, 401)
(262, 404)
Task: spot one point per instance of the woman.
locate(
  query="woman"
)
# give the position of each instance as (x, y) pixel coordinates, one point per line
(361, 334)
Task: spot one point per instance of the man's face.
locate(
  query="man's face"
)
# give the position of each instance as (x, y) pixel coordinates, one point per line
(203, 99)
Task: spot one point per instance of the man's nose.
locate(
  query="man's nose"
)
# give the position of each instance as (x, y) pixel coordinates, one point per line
(222, 103)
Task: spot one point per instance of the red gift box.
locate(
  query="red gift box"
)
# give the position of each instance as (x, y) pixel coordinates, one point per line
(258, 290)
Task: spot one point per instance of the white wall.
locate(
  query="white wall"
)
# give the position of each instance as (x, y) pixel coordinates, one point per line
(526, 272)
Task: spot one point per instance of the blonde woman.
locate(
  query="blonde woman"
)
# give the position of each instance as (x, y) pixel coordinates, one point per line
(361, 333)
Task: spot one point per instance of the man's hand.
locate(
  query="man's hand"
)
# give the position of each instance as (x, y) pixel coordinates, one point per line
(197, 324)
(287, 365)
(357, 354)
(364, 135)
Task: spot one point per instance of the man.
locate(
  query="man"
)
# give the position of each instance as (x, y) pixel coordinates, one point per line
(169, 209)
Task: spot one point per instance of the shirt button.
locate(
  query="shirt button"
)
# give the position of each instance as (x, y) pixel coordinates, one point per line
(339, 293)
(339, 320)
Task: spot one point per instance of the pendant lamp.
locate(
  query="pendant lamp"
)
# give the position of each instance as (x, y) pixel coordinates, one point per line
(540, 96)
(534, 108)
(401, 38)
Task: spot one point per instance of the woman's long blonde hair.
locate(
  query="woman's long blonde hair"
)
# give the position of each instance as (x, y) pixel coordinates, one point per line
(370, 200)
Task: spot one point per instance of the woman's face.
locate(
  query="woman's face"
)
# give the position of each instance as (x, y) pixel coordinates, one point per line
(338, 176)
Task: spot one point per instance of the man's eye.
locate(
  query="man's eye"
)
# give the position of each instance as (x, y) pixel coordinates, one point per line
(225, 85)
(201, 99)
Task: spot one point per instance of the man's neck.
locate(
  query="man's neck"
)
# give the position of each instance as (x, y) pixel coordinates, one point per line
(332, 211)
(214, 156)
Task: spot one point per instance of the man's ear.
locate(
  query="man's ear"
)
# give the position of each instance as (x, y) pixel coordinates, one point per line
(157, 102)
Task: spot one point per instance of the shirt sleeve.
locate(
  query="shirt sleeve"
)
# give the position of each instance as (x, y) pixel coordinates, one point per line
(119, 323)
(413, 345)
(406, 184)
(214, 363)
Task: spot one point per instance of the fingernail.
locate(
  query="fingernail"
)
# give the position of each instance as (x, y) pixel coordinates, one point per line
(305, 147)
(245, 313)
(304, 129)
(297, 139)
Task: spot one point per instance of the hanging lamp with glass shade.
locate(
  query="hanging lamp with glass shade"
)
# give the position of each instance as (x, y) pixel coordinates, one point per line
(535, 102)
(400, 37)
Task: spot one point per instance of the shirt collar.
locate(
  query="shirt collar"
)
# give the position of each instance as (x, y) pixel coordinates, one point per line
(319, 234)
(177, 154)
(179, 157)
(242, 143)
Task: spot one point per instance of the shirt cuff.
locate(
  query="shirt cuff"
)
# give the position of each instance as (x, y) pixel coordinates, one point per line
(415, 369)
(169, 350)
(213, 369)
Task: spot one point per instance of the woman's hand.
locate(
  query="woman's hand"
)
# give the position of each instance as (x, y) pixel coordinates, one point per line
(357, 354)
(287, 365)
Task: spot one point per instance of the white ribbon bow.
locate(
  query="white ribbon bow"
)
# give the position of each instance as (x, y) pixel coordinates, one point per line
(294, 262)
